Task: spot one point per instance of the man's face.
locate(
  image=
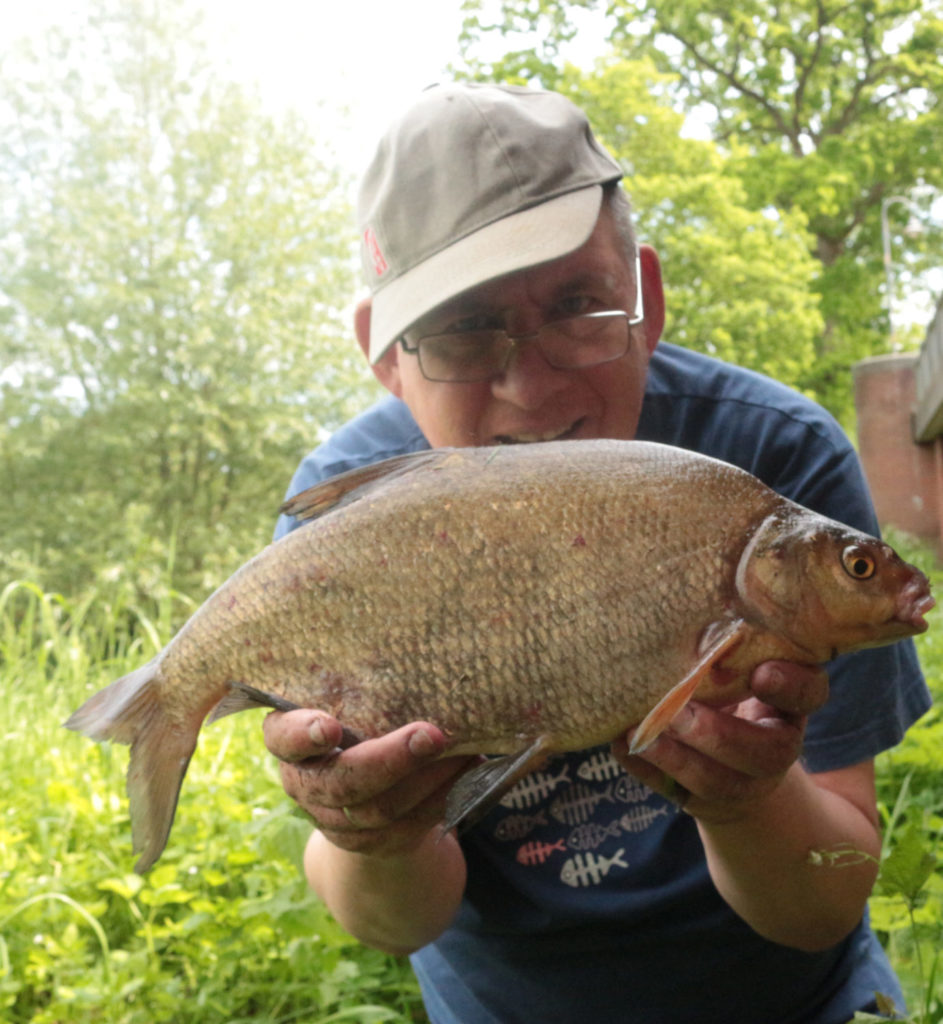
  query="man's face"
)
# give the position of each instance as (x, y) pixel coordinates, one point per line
(531, 400)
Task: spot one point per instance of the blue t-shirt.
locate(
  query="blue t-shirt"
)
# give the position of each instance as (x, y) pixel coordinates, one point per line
(588, 895)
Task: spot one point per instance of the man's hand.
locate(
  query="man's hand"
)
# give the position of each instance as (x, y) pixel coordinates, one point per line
(380, 797)
(718, 763)
(760, 815)
(377, 806)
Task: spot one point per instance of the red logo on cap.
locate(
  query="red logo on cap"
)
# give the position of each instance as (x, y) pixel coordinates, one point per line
(373, 248)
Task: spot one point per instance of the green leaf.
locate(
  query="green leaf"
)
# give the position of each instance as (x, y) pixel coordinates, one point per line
(908, 867)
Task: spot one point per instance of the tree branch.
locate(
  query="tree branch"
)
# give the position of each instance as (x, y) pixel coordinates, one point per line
(739, 85)
(806, 70)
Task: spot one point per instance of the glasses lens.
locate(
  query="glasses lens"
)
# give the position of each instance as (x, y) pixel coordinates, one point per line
(466, 357)
(574, 343)
(585, 340)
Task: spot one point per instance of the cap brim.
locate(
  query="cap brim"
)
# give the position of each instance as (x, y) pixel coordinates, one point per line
(521, 240)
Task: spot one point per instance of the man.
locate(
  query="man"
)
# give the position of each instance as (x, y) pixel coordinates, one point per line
(680, 885)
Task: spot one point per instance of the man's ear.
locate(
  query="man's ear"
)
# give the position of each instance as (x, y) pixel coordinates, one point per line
(386, 368)
(653, 296)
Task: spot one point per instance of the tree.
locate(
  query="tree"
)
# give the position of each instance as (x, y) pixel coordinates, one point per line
(175, 275)
(821, 107)
(736, 279)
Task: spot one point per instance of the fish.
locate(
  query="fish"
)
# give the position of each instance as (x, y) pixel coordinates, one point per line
(527, 600)
(640, 818)
(517, 826)
(591, 834)
(630, 790)
(577, 803)
(585, 869)
(536, 852)
(536, 786)
(600, 766)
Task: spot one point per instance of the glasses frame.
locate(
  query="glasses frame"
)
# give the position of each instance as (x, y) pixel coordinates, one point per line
(631, 321)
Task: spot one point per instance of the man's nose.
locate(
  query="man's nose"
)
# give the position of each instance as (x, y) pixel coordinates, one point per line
(528, 380)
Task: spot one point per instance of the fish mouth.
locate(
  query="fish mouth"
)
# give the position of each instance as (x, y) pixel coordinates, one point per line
(913, 603)
(535, 437)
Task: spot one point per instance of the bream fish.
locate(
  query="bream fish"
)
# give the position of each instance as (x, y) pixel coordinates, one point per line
(526, 599)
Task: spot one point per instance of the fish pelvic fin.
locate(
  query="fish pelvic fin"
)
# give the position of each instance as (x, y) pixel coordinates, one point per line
(130, 711)
(478, 790)
(243, 697)
(663, 713)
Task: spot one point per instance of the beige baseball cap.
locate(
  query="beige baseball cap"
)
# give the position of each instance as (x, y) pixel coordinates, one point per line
(473, 182)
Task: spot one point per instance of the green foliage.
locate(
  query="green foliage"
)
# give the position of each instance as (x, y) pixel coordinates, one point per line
(223, 929)
(737, 279)
(175, 279)
(820, 112)
(907, 905)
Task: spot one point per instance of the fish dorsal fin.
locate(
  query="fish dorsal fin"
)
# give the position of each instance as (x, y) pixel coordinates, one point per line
(478, 790)
(355, 483)
(662, 714)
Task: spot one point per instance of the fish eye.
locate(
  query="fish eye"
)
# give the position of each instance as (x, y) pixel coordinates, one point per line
(858, 563)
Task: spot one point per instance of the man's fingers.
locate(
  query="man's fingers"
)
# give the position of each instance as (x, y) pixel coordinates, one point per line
(359, 773)
(762, 745)
(382, 795)
(797, 689)
(297, 735)
(713, 761)
(418, 800)
(370, 786)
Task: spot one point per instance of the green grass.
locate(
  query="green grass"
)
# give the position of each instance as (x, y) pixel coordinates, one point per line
(224, 929)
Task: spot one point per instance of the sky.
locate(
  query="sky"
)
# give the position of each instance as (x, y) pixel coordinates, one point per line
(342, 53)
(319, 56)
(333, 60)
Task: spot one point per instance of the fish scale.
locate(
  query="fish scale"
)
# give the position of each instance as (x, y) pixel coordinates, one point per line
(527, 600)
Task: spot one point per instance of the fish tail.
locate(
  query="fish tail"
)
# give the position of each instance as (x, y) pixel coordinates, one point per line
(130, 711)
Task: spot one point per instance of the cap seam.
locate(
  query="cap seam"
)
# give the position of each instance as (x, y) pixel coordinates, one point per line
(497, 141)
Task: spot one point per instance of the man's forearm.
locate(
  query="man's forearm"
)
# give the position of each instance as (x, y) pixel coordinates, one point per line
(800, 867)
(393, 903)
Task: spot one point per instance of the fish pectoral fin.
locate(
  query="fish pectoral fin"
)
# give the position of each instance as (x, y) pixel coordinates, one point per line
(243, 697)
(354, 484)
(478, 790)
(662, 714)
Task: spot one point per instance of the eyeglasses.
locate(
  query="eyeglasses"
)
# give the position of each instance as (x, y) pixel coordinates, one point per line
(577, 342)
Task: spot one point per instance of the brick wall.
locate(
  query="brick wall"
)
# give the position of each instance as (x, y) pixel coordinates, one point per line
(906, 478)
